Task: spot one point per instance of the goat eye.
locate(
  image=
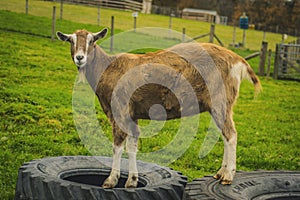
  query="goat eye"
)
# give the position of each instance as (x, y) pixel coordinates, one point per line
(91, 42)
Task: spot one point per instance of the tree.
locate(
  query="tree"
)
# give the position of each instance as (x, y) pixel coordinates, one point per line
(295, 17)
(185, 4)
(270, 15)
(167, 3)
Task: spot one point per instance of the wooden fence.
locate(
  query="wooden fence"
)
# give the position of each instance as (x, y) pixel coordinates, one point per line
(128, 5)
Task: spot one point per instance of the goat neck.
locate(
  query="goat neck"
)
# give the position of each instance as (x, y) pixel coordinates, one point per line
(97, 63)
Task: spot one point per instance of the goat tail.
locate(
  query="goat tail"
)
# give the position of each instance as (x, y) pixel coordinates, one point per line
(251, 76)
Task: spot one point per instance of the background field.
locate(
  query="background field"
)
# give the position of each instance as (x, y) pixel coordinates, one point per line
(124, 21)
(37, 79)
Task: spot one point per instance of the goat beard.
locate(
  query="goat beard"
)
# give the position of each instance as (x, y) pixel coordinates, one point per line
(81, 75)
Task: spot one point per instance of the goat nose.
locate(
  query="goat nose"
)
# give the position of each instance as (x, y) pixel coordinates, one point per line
(79, 57)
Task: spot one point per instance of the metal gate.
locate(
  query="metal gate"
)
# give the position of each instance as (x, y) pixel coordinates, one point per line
(287, 63)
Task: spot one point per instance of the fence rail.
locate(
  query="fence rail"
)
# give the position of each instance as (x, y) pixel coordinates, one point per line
(129, 5)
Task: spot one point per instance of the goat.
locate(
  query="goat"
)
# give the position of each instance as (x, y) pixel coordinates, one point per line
(213, 74)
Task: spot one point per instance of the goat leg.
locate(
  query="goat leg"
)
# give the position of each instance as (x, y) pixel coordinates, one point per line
(131, 148)
(114, 176)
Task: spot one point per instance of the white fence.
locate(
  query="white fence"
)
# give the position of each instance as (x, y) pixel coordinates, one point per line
(129, 5)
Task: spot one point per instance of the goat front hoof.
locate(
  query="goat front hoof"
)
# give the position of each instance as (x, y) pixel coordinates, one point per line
(110, 183)
(225, 182)
(217, 176)
(131, 182)
(225, 176)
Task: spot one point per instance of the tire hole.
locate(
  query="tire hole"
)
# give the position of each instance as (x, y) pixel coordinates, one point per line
(94, 178)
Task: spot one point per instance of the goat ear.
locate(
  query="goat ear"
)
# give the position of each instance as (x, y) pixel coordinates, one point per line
(62, 36)
(100, 34)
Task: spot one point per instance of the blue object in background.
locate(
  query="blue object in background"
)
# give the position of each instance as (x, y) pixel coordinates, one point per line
(244, 24)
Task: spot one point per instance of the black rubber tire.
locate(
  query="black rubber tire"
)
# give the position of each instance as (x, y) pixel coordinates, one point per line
(80, 177)
(257, 185)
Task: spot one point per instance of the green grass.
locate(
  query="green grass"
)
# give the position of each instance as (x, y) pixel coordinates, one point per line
(36, 84)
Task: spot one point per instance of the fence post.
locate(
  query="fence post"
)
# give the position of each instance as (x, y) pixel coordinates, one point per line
(283, 38)
(134, 23)
(53, 23)
(183, 34)
(112, 34)
(26, 7)
(212, 33)
(61, 9)
(170, 21)
(264, 36)
(234, 36)
(98, 14)
(262, 61)
(269, 63)
(244, 38)
(285, 55)
(170, 24)
(276, 62)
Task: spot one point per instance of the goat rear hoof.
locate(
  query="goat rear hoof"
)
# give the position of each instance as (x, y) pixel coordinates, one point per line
(108, 186)
(109, 183)
(131, 182)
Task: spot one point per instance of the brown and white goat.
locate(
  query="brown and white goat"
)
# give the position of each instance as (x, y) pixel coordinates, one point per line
(213, 74)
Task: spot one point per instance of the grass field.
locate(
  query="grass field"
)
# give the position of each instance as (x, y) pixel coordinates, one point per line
(36, 84)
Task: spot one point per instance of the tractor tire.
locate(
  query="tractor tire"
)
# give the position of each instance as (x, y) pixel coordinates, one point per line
(81, 177)
(257, 185)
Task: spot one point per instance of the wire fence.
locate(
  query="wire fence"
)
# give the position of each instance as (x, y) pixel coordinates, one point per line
(288, 61)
